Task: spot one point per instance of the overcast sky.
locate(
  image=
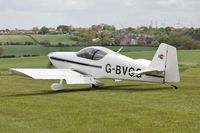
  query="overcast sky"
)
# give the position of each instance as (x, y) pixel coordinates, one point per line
(84, 13)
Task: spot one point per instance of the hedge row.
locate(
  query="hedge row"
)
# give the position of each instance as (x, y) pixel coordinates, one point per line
(14, 56)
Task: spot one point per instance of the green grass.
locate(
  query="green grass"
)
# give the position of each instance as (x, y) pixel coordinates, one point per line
(53, 39)
(28, 105)
(15, 39)
(28, 62)
(20, 50)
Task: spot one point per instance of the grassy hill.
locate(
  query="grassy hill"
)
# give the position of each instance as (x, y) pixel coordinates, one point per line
(28, 105)
(22, 39)
(15, 39)
(55, 39)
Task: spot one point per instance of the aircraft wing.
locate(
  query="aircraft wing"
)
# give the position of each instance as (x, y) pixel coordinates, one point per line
(143, 72)
(71, 76)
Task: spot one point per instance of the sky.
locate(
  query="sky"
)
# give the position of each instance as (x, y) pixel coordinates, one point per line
(26, 14)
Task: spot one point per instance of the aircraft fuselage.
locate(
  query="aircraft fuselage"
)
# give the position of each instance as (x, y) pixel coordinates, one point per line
(112, 66)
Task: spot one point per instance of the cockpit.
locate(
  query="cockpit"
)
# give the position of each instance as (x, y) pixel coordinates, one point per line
(93, 53)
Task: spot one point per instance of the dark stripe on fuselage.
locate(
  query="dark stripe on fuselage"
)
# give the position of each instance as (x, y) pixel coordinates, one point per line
(74, 62)
(158, 76)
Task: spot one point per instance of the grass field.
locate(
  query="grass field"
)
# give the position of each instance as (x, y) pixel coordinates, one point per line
(15, 38)
(53, 39)
(20, 50)
(28, 105)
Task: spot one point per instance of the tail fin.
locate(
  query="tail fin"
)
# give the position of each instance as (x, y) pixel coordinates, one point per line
(165, 59)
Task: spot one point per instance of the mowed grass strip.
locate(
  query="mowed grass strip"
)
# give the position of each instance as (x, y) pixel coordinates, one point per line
(28, 105)
(55, 39)
(15, 39)
(52, 39)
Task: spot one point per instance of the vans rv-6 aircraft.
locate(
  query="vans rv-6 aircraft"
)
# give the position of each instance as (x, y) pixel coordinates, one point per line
(92, 63)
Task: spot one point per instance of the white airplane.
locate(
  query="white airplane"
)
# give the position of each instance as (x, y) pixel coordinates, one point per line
(92, 63)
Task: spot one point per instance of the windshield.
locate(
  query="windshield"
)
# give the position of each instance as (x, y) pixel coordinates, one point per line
(91, 53)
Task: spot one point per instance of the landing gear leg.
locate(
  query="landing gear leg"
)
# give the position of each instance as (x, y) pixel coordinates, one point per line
(94, 86)
(97, 84)
(174, 86)
(58, 86)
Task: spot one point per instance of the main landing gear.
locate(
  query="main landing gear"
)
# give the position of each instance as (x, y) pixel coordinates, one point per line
(97, 84)
(174, 86)
(58, 86)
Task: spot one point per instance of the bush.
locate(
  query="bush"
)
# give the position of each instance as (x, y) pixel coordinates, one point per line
(8, 56)
(75, 38)
(45, 43)
(13, 43)
(29, 55)
(60, 44)
(28, 43)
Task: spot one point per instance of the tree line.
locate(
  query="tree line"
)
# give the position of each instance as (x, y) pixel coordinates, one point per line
(104, 34)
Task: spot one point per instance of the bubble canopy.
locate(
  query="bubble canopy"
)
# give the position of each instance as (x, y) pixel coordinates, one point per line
(94, 53)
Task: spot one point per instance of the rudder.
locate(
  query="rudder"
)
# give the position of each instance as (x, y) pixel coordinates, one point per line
(165, 59)
(172, 69)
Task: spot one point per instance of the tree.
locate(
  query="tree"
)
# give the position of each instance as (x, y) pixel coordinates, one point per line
(117, 41)
(64, 28)
(35, 29)
(130, 29)
(44, 30)
(109, 27)
(96, 28)
(161, 37)
(182, 41)
(105, 41)
(168, 30)
(194, 33)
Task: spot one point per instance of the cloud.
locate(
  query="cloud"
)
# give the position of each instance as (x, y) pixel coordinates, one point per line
(166, 2)
(66, 4)
(84, 13)
(46, 5)
(129, 3)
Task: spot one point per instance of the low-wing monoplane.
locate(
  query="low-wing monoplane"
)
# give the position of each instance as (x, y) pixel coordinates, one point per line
(92, 63)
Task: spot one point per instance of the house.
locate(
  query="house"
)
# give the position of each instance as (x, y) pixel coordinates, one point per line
(95, 40)
(22, 31)
(52, 30)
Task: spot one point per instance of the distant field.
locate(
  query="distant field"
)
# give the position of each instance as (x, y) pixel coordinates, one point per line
(41, 50)
(53, 39)
(28, 105)
(15, 39)
(185, 57)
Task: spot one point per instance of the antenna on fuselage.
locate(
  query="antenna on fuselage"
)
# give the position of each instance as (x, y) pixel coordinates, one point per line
(120, 49)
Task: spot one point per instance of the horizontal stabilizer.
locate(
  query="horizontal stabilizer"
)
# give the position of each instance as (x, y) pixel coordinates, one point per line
(136, 73)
